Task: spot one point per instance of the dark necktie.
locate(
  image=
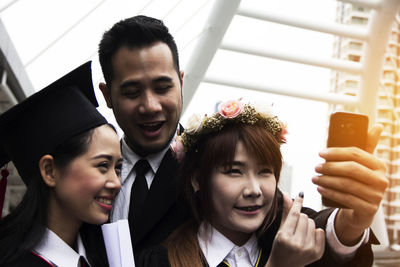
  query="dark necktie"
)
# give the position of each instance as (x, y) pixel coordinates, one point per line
(83, 262)
(139, 190)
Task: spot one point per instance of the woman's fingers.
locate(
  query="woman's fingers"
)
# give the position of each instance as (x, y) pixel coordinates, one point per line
(319, 242)
(349, 155)
(347, 186)
(300, 233)
(293, 215)
(297, 242)
(373, 137)
(287, 205)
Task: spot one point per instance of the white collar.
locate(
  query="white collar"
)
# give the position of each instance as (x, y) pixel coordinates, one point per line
(216, 247)
(59, 253)
(130, 159)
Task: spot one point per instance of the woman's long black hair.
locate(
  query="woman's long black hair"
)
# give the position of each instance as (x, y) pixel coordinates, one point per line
(24, 227)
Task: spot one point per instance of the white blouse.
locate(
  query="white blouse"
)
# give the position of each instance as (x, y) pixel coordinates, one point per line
(216, 248)
(58, 253)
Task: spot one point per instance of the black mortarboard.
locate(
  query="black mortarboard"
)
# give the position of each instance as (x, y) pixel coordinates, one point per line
(37, 125)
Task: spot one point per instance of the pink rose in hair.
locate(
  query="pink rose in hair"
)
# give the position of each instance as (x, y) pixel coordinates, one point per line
(230, 109)
(178, 149)
(284, 132)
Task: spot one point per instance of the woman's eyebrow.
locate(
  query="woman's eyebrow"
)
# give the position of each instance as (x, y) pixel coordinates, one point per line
(106, 156)
(236, 163)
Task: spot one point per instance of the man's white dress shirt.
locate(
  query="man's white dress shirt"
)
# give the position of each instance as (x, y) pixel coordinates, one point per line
(121, 204)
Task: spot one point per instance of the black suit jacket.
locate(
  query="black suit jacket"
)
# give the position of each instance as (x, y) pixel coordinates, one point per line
(163, 210)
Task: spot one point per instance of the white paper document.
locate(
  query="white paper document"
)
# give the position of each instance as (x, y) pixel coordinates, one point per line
(117, 239)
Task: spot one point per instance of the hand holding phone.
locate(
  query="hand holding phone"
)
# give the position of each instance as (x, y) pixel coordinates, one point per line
(346, 129)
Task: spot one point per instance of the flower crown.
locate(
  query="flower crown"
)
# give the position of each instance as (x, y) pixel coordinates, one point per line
(230, 112)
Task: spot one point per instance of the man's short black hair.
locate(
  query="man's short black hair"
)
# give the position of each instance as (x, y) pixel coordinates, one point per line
(135, 32)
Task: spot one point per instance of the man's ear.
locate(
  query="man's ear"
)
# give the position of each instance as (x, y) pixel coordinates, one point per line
(182, 74)
(195, 184)
(106, 93)
(47, 170)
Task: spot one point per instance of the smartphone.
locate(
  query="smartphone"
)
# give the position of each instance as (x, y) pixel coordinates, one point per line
(346, 129)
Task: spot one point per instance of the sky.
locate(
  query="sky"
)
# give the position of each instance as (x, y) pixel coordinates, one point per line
(53, 37)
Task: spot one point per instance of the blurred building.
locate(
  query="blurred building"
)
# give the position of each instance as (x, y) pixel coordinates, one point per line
(286, 178)
(388, 106)
(15, 86)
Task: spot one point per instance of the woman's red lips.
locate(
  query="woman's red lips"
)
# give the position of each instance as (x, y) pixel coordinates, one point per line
(249, 208)
(105, 202)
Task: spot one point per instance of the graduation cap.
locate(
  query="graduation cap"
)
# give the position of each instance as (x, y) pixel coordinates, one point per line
(37, 125)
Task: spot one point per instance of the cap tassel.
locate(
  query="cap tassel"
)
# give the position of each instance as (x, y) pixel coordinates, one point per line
(3, 187)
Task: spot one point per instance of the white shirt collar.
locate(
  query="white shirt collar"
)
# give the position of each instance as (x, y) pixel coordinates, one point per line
(59, 253)
(121, 204)
(130, 159)
(216, 247)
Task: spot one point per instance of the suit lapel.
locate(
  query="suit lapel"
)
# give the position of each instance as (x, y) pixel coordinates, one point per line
(161, 197)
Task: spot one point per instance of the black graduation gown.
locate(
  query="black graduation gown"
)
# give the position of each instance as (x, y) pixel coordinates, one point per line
(29, 259)
(163, 210)
(158, 255)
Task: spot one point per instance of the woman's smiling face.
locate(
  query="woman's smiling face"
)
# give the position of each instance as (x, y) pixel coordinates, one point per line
(241, 196)
(84, 191)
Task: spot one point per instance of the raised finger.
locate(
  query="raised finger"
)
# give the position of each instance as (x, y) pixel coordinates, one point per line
(291, 221)
(287, 204)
